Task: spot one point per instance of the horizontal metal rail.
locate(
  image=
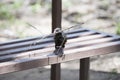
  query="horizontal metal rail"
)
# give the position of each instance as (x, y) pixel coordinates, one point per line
(35, 38)
(82, 43)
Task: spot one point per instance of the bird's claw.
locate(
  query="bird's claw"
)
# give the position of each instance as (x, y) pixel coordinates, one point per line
(59, 52)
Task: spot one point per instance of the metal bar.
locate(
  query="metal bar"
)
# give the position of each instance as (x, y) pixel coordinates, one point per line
(56, 22)
(56, 13)
(56, 71)
(40, 42)
(19, 40)
(84, 69)
(38, 38)
(6, 50)
(85, 42)
(47, 40)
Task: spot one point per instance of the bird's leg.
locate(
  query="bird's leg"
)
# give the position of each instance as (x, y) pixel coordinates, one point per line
(59, 51)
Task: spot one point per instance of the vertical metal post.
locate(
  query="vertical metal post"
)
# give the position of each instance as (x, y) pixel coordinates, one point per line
(56, 13)
(56, 22)
(84, 69)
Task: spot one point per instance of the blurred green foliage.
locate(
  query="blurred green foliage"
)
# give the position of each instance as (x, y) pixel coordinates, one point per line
(114, 70)
(7, 13)
(7, 10)
(105, 4)
(67, 3)
(17, 4)
(118, 27)
(35, 7)
(3, 25)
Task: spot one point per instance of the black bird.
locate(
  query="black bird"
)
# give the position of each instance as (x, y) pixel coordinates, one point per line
(60, 40)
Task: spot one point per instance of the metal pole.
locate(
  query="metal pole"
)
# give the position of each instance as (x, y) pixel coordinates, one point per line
(84, 69)
(56, 13)
(56, 22)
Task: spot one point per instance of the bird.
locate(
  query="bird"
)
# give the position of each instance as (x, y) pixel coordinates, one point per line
(60, 40)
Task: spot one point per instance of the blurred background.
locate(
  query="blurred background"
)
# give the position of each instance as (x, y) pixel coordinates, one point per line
(102, 15)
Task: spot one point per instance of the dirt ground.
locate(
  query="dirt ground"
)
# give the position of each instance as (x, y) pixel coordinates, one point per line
(96, 14)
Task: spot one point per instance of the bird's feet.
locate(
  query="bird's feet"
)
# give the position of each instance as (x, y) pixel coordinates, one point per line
(59, 51)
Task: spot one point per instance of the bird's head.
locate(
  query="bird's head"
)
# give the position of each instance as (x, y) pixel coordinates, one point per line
(57, 30)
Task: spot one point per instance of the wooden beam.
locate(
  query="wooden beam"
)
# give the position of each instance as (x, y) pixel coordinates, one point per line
(72, 54)
(23, 64)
